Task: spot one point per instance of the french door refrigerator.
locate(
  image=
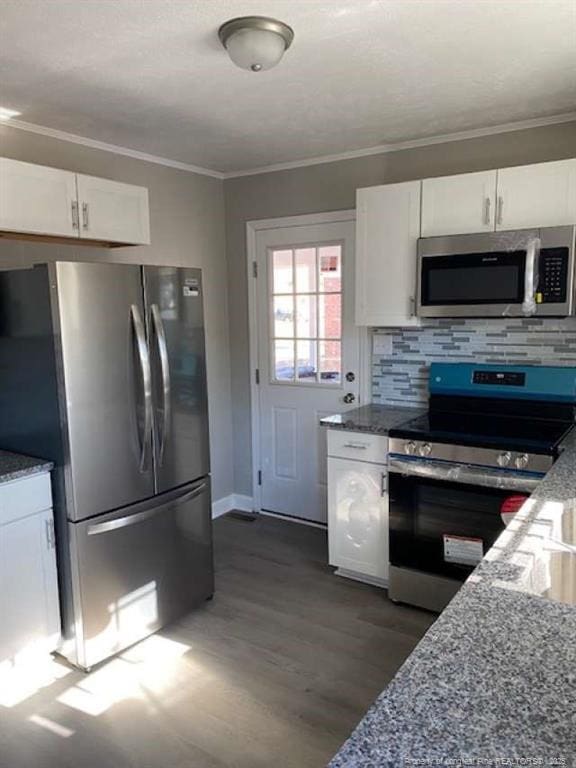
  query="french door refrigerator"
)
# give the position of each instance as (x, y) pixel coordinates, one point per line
(103, 371)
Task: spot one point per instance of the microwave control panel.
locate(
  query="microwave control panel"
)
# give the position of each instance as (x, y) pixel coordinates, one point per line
(553, 276)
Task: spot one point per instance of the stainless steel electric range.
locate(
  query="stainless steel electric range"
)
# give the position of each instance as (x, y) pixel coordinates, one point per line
(458, 472)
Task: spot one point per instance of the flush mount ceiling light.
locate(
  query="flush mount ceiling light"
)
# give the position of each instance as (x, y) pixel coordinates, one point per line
(255, 43)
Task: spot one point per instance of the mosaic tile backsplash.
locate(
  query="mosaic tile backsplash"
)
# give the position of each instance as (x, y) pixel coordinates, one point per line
(402, 377)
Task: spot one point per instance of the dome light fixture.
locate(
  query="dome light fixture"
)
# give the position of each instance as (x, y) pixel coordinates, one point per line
(255, 43)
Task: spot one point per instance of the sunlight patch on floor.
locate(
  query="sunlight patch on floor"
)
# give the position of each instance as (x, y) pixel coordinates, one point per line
(142, 673)
(19, 682)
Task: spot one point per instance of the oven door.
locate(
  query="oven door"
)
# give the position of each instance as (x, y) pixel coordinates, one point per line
(485, 275)
(444, 519)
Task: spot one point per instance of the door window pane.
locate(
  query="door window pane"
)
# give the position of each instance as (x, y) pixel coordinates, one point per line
(306, 313)
(284, 360)
(306, 316)
(330, 361)
(282, 272)
(305, 270)
(330, 316)
(330, 268)
(284, 316)
(306, 355)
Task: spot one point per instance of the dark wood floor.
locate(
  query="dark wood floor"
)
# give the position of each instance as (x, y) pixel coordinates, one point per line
(273, 673)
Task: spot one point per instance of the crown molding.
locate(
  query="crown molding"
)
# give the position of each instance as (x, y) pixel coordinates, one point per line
(382, 149)
(53, 133)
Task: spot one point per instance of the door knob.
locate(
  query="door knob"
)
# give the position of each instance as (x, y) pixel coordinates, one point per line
(349, 397)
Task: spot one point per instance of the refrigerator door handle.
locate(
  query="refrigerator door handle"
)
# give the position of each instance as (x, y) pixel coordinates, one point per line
(138, 517)
(166, 384)
(144, 358)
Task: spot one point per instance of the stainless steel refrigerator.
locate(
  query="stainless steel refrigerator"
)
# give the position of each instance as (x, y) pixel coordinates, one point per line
(102, 370)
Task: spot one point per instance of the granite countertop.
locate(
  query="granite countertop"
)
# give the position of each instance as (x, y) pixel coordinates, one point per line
(493, 681)
(377, 419)
(14, 466)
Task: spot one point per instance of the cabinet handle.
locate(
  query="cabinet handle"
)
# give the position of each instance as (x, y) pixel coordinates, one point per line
(85, 220)
(383, 484)
(487, 211)
(75, 219)
(500, 209)
(358, 446)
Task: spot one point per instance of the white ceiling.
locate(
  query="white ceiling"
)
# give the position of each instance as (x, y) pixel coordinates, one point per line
(151, 75)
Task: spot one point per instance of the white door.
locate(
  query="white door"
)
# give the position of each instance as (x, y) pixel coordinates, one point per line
(112, 211)
(542, 195)
(29, 586)
(37, 200)
(308, 358)
(358, 517)
(387, 232)
(459, 205)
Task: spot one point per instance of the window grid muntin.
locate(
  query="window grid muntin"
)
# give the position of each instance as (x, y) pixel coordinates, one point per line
(317, 339)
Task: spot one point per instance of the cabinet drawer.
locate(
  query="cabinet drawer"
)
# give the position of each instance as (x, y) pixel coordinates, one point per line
(25, 496)
(358, 445)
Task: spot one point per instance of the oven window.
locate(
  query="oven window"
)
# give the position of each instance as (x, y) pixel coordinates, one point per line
(473, 278)
(424, 512)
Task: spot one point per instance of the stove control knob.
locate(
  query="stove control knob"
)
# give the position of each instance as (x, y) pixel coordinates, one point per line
(410, 448)
(504, 459)
(425, 449)
(522, 460)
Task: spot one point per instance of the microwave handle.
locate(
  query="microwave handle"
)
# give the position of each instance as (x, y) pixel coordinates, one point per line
(529, 305)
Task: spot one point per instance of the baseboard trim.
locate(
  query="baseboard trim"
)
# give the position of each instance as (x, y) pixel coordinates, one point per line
(290, 519)
(233, 501)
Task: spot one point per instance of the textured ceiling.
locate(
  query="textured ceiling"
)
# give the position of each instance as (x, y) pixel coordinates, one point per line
(151, 75)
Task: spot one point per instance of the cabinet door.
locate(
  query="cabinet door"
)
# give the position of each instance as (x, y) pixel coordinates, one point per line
(387, 231)
(358, 517)
(114, 212)
(28, 586)
(458, 205)
(542, 195)
(37, 200)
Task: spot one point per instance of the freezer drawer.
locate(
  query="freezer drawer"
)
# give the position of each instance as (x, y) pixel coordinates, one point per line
(138, 569)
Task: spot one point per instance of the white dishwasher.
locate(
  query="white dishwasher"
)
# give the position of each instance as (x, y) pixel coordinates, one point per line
(358, 505)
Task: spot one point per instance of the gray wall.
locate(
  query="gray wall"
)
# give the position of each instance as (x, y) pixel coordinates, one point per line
(187, 228)
(332, 186)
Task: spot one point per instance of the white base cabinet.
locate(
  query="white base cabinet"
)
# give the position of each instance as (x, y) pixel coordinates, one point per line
(358, 508)
(29, 607)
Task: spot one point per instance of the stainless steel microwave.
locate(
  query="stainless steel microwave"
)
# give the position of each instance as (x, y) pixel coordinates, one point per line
(497, 274)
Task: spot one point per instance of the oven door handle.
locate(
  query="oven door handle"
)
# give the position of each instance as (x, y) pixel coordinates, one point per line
(463, 473)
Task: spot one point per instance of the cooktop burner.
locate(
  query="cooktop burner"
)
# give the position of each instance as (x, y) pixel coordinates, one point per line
(486, 431)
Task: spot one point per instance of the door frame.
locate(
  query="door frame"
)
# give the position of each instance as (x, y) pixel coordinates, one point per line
(364, 393)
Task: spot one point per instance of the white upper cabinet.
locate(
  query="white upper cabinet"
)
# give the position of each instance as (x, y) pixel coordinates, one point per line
(542, 195)
(387, 231)
(453, 205)
(37, 200)
(112, 211)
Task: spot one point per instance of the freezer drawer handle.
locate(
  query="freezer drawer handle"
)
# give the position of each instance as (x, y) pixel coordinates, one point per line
(166, 384)
(138, 517)
(144, 357)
